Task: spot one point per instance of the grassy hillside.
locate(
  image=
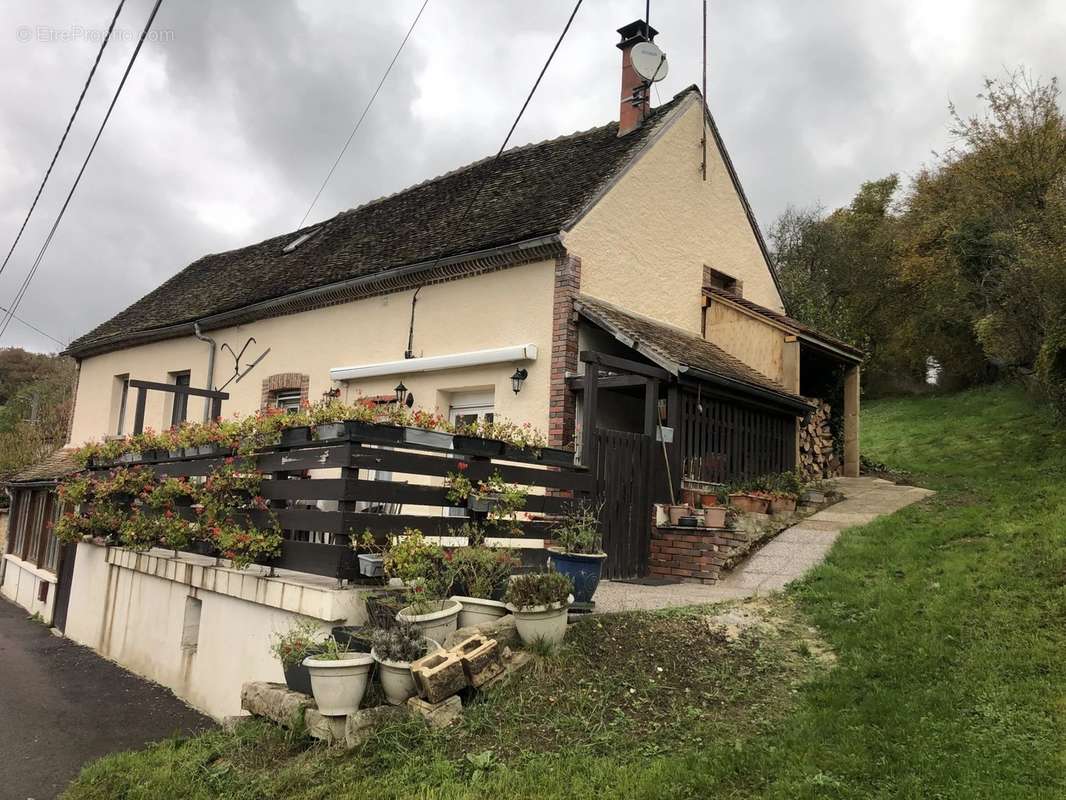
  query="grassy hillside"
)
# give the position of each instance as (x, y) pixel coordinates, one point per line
(947, 620)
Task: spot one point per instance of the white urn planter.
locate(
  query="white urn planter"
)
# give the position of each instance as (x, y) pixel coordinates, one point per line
(543, 623)
(339, 684)
(396, 679)
(478, 610)
(435, 625)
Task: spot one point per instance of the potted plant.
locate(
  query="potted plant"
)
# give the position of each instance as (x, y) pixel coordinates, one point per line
(750, 501)
(304, 638)
(479, 579)
(421, 566)
(782, 504)
(476, 439)
(338, 678)
(427, 609)
(714, 516)
(539, 602)
(578, 551)
(394, 650)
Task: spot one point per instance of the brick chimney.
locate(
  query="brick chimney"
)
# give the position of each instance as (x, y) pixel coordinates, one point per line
(635, 95)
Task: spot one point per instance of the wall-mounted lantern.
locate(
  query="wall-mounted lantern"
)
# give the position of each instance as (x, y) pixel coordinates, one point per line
(401, 393)
(516, 380)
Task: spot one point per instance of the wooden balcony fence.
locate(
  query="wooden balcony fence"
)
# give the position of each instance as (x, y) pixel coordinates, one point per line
(317, 541)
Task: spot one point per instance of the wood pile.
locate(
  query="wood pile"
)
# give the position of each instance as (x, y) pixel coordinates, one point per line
(818, 458)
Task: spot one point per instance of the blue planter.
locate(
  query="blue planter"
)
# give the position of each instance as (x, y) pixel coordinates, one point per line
(583, 570)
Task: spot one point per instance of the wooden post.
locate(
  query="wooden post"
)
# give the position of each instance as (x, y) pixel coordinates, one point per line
(138, 415)
(588, 413)
(651, 407)
(673, 450)
(790, 379)
(851, 422)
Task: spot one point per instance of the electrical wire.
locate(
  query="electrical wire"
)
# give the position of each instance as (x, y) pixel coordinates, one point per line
(362, 116)
(499, 153)
(33, 327)
(55, 225)
(63, 139)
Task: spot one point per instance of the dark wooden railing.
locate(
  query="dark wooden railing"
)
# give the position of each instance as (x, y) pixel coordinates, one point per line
(723, 442)
(318, 541)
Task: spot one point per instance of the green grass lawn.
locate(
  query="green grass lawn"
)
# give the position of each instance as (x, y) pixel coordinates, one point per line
(948, 621)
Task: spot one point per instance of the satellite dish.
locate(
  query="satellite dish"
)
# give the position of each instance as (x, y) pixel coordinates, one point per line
(649, 61)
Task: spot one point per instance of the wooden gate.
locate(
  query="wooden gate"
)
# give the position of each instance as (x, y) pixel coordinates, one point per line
(64, 578)
(622, 470)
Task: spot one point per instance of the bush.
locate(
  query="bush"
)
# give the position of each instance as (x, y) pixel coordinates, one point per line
(539, 589)
(402, 642)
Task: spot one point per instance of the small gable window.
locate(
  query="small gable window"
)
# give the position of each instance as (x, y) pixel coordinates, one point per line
(713, 279)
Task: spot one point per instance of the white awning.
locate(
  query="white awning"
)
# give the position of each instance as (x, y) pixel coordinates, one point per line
(407, 366)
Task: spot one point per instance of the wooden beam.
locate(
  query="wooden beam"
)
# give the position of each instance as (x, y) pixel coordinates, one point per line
(138, 416)
(651, 407)
(175, 389)
(576, 383)
(588, 413)
(851, 422)
(624, 365)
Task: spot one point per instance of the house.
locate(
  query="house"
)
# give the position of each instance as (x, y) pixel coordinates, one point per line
(610, 286)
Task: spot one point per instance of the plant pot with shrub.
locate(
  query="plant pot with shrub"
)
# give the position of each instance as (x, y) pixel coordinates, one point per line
(394, 650)
(304, 638)
(782, 505)
(539, 602)
(437, 618)
(338, 678)
(479, 579)
(750, 502)
(578, 548)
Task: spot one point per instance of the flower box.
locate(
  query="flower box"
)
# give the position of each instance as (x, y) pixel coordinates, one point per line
(129, 458)
(476, 446)
(372, 565)
(300, 434)
(556, 457)
(749, 503)
(438, 440)
(376, 434)
(177, 452)
(714, 516)
(331, 430)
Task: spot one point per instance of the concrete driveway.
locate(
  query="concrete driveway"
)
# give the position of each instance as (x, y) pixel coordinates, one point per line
(61, 705)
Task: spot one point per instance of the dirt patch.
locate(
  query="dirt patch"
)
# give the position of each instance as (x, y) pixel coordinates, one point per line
(770, 619)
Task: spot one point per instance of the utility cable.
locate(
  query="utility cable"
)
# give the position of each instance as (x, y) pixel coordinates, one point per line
(362, 116)
(63, 139)
(488, 172)
(55, 225)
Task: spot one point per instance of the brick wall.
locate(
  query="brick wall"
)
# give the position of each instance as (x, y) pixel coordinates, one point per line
(695, 555)
(561, 401)
(281, 382)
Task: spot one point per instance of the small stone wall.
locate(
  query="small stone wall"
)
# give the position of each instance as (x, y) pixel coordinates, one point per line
(695, 555)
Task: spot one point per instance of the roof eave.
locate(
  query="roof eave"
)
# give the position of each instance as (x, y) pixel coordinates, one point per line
(392, 280)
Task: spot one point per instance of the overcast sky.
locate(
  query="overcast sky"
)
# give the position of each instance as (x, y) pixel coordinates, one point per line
(234, 113)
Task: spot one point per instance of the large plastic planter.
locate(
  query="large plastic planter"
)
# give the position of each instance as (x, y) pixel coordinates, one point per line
(375, 434)
(438, 440)
(339, 685)
(583, 570)
(476, 446)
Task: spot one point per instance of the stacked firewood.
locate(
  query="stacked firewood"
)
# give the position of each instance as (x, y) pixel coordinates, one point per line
(818, 458)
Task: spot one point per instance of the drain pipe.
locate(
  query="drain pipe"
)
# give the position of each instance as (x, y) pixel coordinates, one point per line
(210, 367)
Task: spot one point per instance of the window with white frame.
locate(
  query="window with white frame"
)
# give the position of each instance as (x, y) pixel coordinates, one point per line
(288, 400)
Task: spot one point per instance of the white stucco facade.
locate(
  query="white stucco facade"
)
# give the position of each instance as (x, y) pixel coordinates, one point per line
(200, 630)
(22, 584)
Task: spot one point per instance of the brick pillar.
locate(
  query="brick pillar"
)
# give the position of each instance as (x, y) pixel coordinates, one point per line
(561, 401)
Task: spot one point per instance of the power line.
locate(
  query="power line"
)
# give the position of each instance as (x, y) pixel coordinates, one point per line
(40, 255)
(411, 330)
(33, 327)
(362, 116)
(63, 139)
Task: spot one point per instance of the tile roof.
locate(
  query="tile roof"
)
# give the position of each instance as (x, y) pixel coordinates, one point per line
(532, 191)
(58, 465)
(789, 322)
(678, 350)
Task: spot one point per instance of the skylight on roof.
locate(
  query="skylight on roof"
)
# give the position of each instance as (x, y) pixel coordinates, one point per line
(299, 240)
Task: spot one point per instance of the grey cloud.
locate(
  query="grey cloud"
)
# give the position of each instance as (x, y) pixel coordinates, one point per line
(226, 130)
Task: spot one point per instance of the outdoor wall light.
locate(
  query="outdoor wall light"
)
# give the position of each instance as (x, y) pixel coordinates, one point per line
(516, 379)
(401, 393)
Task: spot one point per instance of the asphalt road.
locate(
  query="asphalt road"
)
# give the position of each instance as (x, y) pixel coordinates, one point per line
(61, 705)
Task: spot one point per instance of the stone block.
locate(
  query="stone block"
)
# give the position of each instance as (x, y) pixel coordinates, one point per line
(276, 702)
(331, 730)
(437, 715)
(503, 630)
(514, 661)
(361, 725)
(439, 675)
(480, 658)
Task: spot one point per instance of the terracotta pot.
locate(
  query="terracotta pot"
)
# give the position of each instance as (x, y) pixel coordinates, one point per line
(749, 504)
(709, 500)
(676, 513)
(783, 506)
(714, 517)
(690, 497)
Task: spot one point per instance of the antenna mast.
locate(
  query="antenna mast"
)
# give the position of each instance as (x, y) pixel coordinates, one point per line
(703, 166)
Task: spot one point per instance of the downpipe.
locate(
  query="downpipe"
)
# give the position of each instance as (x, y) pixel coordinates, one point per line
(210, 366)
